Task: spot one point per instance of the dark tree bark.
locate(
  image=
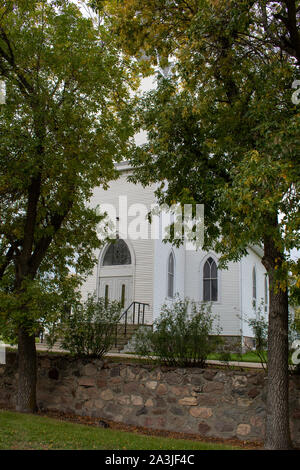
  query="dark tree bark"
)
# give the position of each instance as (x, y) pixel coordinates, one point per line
(27, 369)
(277, 421)
(26, 266)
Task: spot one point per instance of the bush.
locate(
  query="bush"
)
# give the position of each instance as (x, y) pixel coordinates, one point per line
(260, 331)
(180, 338)
(259, 328)
(90, 328)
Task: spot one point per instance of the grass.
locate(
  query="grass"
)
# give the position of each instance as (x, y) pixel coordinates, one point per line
(246, 357)
(30, 432)
(249, 356)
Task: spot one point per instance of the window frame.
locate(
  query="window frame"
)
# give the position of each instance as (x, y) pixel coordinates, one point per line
(219, 279)
(169, 273)
(254, 288)
(266, 294)
(115, 265)
(210, 280)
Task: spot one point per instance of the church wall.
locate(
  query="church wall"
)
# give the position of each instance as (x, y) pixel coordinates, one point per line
(143, 249)
(247, 264)
(162, 252)
(151, 259)
(228, 305)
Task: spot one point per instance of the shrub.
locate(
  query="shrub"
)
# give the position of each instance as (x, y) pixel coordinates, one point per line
(90, 328)
(259, 328)
(183, 335)
(260, 331)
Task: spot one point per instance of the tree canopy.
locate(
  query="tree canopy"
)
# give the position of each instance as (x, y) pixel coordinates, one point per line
(65, 122)
(67, 119)
(223, 130)
(222, 127)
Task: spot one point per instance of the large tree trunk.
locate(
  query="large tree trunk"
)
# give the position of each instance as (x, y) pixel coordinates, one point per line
(26, 398)
(277, 422)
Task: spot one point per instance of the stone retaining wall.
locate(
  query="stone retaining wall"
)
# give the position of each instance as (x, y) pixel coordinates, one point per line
(217, 403)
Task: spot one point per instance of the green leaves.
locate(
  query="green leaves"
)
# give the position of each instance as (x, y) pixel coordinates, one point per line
(67, 120)
(222, 128)
(90, 327)
(183, 335)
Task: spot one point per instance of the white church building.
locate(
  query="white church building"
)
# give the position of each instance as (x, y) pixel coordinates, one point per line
(143, 272)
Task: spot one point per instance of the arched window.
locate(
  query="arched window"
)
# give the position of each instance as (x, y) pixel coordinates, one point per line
(254, 294)
(266, 294)
(117, 254)
(210, 281)
(171, 275)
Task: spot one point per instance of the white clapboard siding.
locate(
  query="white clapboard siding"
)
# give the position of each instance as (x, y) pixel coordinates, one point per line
(247, 264)
(150, 270)
(228, 305)
(143, 249)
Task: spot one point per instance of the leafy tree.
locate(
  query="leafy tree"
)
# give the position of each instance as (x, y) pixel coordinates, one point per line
(224, 132)
(65, 121)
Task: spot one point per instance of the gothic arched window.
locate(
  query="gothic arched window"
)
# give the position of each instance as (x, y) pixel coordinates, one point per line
(266, 294)
(171, 275)
(210, 281)
(254, 294)
(117, 254)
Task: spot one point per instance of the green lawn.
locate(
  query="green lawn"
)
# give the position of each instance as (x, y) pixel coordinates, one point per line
(246, 357)
(30, 432)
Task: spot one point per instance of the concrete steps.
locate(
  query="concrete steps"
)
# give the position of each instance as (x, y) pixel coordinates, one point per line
(122, 339)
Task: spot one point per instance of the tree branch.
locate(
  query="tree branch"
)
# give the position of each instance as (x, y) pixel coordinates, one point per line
(25, 87)
(44, 243)
(34, 192)
(291, 25)
(8, 258)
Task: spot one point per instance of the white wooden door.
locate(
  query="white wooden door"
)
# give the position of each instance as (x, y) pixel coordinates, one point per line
(117, 288)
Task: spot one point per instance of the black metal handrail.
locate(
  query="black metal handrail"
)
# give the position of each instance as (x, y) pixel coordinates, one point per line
(138, 312)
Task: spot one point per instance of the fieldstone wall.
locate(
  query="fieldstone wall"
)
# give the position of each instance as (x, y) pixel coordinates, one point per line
(217, 403)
